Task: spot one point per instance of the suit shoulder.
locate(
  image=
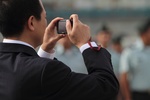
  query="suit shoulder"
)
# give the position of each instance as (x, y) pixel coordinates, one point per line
(43, 61)
(34, 62)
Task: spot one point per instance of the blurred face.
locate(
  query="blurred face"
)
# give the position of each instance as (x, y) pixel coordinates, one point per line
(103, 39)
(148, 36)
(41, 26)
(117, 47)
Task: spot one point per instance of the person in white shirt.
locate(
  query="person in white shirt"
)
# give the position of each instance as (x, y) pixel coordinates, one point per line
(70, 55)
(135, 67)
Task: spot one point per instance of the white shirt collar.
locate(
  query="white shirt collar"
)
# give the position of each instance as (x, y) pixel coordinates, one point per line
(140, 44)
(17, 42)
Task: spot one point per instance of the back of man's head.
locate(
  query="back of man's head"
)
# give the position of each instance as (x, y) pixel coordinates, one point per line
(14, 14)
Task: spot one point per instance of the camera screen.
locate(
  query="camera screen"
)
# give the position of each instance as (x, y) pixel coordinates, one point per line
(62, 27)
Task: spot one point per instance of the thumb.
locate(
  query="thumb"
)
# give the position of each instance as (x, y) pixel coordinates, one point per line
(68, 26)
(58, 37)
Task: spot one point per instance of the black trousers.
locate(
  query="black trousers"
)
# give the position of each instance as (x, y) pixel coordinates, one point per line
(140, 95)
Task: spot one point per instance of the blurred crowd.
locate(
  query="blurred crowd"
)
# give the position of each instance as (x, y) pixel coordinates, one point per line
(131, 64)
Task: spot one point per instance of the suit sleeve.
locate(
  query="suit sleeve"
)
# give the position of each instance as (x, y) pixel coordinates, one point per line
(59, 82)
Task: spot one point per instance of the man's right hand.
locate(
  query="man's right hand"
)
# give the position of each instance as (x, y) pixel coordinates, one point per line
(79, 33)
(50, 36)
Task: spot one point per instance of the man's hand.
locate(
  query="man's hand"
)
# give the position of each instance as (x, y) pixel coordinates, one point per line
(79, 34)
(50, 36)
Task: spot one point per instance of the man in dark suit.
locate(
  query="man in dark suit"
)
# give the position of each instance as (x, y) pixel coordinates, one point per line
(26, 75)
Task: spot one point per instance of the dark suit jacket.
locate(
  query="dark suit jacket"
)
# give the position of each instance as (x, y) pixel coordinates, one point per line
(26, 76)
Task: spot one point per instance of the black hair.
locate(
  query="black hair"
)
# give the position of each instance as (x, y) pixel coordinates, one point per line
(143, 28)
(117, 39)
(104, 29)
(15, 13)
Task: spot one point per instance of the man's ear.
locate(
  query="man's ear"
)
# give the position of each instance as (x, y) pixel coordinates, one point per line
(31, 23)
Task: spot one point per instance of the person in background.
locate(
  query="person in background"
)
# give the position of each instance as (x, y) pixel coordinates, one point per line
(135, 67)
(113, 45)
(116, 50)
(103, 37)
(70, 55)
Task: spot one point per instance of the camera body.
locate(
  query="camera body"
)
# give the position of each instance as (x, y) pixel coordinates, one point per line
(61, 26)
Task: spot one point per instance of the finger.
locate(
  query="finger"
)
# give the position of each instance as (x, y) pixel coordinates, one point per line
(53, 23)
(75, 18)
(68, 26)
(60, 36)
(64, 35)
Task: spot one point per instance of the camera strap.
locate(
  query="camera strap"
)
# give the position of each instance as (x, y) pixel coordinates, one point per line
(94, 48)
